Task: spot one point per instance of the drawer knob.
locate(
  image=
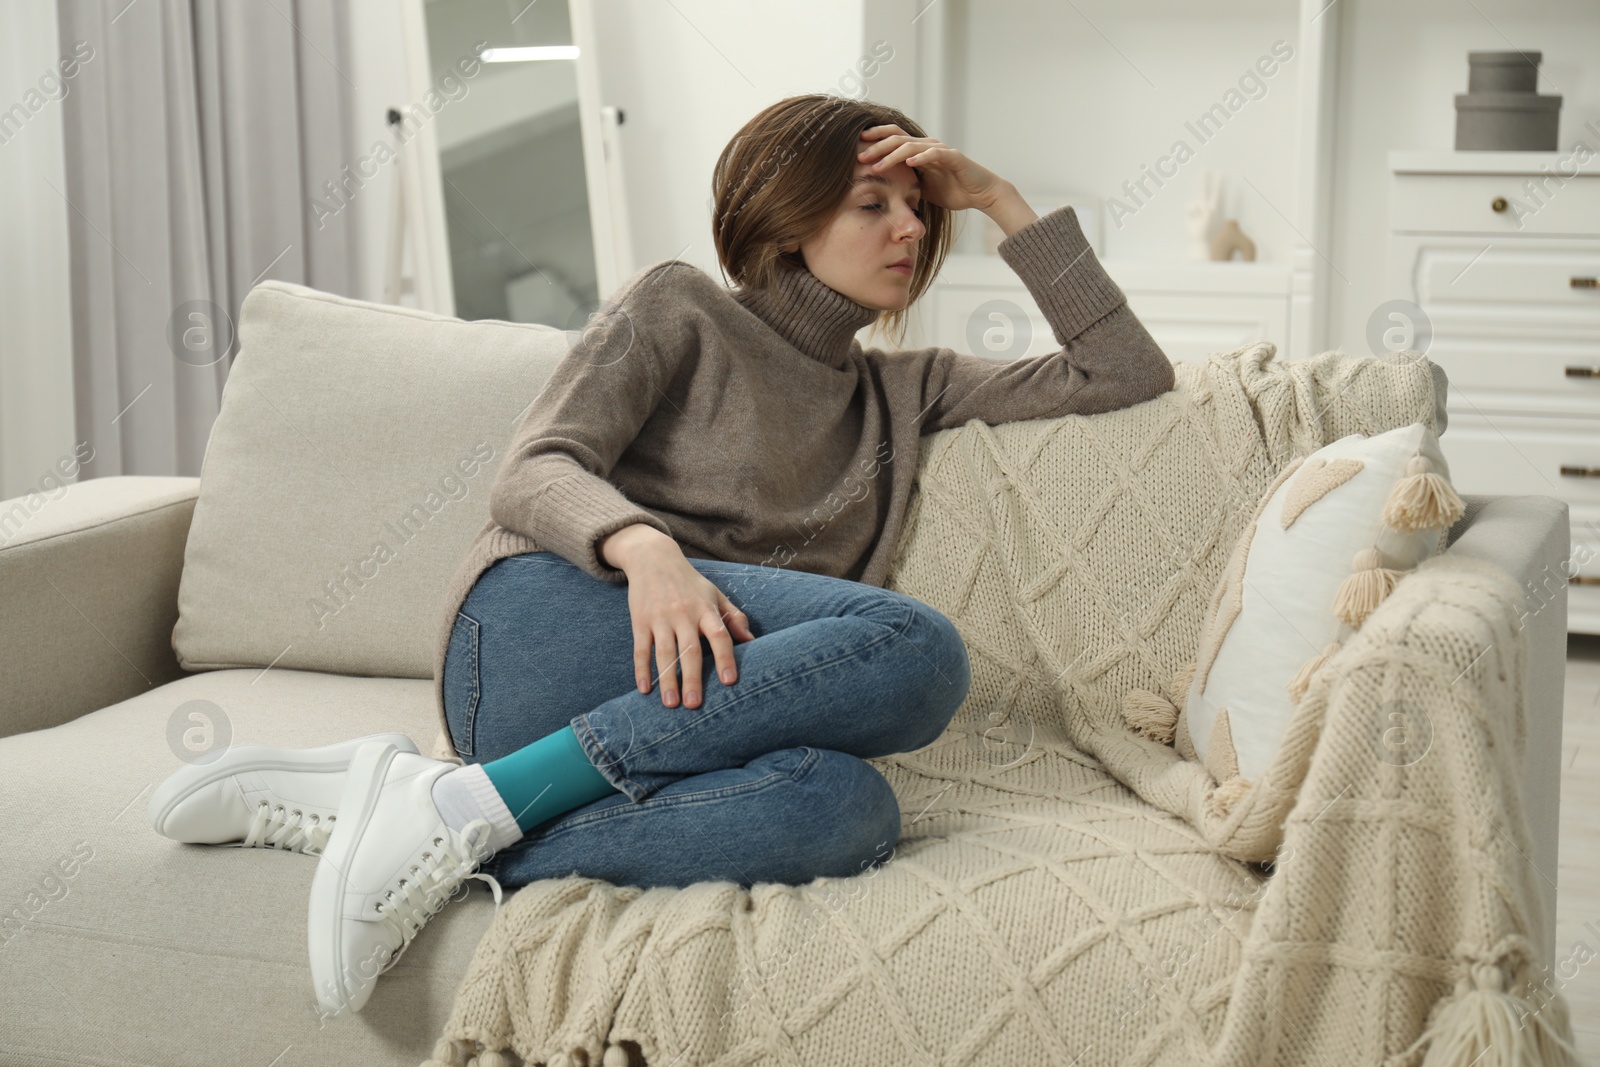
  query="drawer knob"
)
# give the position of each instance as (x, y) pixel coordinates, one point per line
(1582, 372)
(1579, 472)
(1499, 203)
(1579, 282)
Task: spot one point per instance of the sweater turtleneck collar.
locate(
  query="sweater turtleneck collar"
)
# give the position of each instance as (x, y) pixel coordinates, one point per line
(818, 320)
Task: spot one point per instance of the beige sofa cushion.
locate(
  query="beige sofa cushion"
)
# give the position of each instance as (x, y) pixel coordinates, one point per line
(347, 473)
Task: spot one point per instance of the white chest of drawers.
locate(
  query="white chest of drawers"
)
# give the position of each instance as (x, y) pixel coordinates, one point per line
(1500, 251)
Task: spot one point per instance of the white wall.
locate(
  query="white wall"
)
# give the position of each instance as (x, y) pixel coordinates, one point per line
(1081, 98)
(36, 411)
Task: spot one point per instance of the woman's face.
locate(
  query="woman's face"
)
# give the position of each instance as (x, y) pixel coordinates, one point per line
(875, 227)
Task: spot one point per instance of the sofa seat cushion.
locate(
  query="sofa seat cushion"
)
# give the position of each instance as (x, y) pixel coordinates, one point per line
(132, 948)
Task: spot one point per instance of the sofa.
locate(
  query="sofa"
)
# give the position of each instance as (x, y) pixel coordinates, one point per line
(1031, 899)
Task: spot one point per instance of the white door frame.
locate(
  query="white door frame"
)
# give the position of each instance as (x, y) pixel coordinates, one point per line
(37, 411)
(420, 177)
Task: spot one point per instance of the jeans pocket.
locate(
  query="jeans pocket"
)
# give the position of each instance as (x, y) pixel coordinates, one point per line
(461, 682)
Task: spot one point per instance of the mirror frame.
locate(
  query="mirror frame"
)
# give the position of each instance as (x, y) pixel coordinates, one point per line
(420, 165)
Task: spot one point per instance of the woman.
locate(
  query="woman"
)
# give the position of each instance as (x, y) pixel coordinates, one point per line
(707, 470)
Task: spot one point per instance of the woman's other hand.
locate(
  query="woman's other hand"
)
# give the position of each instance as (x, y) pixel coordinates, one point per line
(672, 604)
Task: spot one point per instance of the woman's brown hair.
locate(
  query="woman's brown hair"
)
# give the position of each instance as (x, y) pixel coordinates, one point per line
(782, 178)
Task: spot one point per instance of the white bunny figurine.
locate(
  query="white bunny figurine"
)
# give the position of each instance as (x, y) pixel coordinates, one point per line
(1205, 215)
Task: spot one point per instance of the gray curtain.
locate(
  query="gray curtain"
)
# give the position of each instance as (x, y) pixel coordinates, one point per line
(196, 138)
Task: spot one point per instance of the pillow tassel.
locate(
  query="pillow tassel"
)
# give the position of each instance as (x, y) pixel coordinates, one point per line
(1151, 715)
(1361, 593)
(1182, 743)
(1302, 680)
(447, 1053)
(1423, 499)
(1182, 679)
(1222, 799)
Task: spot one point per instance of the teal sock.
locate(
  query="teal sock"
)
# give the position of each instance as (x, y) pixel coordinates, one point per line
(547, 778)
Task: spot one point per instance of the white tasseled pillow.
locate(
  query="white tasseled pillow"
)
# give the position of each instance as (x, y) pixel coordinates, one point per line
(1330, 538)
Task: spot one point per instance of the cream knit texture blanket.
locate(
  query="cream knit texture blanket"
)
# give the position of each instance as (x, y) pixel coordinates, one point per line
(1043, 905)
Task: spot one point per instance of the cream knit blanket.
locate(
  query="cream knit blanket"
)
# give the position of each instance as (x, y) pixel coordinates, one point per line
(1038, 910)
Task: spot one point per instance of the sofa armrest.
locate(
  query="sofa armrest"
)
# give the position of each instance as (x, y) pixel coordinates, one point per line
(1529, 537)
(89, 580)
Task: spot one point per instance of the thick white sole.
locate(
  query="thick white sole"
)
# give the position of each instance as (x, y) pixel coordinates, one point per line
(332, 759)
(325, 918)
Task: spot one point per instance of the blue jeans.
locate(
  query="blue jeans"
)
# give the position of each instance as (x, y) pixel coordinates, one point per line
(765, 781)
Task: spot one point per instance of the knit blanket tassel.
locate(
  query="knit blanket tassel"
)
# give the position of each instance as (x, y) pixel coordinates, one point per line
(449, 1053)
(1483, 1025)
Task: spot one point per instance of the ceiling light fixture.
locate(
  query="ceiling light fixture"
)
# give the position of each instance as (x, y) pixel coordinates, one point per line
(523, 55)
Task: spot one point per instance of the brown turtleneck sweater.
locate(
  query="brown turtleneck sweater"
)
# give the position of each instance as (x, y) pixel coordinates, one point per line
(751, 426)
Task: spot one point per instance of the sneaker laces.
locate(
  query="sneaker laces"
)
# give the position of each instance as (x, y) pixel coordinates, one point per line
(427, 886)
(273, 826)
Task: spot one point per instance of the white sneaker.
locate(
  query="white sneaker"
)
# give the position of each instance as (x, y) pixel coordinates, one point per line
(259, 796)
(391, 862)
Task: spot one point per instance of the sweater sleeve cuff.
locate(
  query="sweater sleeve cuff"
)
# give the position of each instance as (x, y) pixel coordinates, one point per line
(1066, 279)
(583, 518)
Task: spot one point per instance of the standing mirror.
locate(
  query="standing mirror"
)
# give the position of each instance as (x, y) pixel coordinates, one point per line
(513, 203)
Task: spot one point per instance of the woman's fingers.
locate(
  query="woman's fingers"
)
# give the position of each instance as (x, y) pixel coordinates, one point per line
(641, 657)
(893, 149)
(878, 147)
(904, 152)
(690, 662)
(738, 621)
(670, 616)
(872, 133)
(721, 647)
(666, 658)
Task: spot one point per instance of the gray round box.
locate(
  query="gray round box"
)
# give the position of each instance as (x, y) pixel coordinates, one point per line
(1502, 111)
(1503, 72)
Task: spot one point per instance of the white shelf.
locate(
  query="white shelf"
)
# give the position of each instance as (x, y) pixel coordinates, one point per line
(1413, 161)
